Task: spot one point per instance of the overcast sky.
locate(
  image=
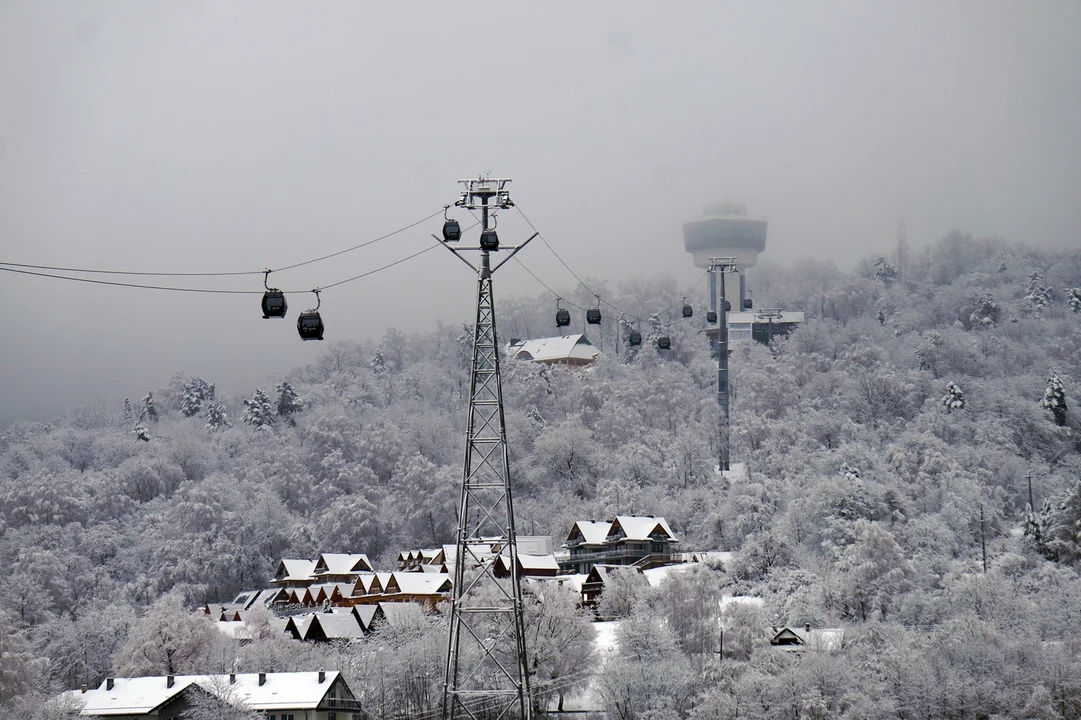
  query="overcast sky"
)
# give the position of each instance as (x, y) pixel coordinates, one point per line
(232, 136)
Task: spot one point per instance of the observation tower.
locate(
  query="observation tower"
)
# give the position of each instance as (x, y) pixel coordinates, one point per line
(730, 233)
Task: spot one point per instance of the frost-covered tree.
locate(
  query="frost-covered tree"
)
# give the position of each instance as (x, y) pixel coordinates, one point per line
(647, 677)
(128, 413)
(149, 411)
(954, 399)
(195, 394)
(216, 418)
(1038, 296)
(219, 700)
(168, 640)
(885, 271)
(258, 411)
(1073, 298)
(141, 433)
(850, 472)
(379, 362)
(987, 311)
(1054, 399)
(288, 401)
(1063, 534)
(1037, 529)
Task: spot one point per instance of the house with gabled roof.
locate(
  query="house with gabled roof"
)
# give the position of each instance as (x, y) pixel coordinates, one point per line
(641, 540)
(528, 566)
(325, 627)
(294, 573)
(797, 639)
(564, 350)
(340, 567)
(315, 695)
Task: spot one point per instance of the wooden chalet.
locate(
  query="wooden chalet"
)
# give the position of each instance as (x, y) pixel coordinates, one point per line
(643, 541)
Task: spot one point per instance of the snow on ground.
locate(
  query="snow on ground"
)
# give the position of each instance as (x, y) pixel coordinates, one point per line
(605, 643)
(658, 575)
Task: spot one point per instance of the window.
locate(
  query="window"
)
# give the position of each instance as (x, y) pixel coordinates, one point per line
(332, 716)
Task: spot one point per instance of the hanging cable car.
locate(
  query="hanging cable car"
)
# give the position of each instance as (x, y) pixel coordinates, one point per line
(748, 303)
(664, 343)
(688, 311)
(489, 240)
(634, 339)
(727, 306)
(563, 316)
(274, 304)
(310, 324)
(452, 231)
(593, 316)
(711, 316)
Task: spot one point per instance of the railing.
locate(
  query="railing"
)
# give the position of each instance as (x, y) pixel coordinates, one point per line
(600, 557)
(349, 704)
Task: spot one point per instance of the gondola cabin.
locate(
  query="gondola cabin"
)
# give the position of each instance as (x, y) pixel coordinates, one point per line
(274, 305)
(452, 231)
(563, 317)
(711, 316)
(310, 325)
(489, 240)
(593, 316)
(688, 311)
(748, 304)
(634, 339)
(664, 343)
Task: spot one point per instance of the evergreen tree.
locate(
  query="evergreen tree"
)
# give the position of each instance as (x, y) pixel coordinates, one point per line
(1037, 529)
(1063, 533)
(1038, 297)
(129, 414)
(141, 433)
(195, 394)
(885, 271)
(1073, 297)
(954, 399)
(258, 411)
(149, 411)
(288, 402)
(987, 311)
(379, 363)
(1054, 399)
(216, 418)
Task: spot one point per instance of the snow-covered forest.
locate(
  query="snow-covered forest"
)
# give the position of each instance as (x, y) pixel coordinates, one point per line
(891, 443)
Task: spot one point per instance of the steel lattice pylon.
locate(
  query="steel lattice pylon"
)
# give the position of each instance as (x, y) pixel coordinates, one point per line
(486, 674)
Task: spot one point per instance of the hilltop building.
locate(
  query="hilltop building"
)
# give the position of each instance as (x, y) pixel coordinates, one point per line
(565, 350)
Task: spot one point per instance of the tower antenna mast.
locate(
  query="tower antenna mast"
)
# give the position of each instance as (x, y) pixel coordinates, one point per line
(486, 674)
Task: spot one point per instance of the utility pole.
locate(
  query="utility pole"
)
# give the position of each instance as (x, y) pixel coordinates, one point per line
(486, 673)
(719, 266)
(769, 315)
(1028, 477)
(983, 541)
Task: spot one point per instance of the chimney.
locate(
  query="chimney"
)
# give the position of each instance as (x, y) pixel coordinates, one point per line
(85, 687)
(807, 627)
(262, 679)
(232, 678)
(108, 683)
(322, 676)
(170, 680)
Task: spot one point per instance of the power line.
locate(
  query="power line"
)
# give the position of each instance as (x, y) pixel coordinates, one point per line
(210, 291)
(90, 271)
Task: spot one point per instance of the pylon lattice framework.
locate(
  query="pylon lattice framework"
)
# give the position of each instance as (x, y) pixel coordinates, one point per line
(486, 674)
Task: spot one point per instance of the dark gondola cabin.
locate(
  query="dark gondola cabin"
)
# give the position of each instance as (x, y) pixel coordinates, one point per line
(274, 305)
(748, 304)
(711, 316)
(664, 342)
(310, 325)
(489, 240)
(593, 316)
(635, 338)
(688, 311)
(452, 231)
(563, 317)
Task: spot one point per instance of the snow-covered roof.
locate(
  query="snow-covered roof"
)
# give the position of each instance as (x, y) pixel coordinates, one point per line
(637, 527)
(555, 349)
(659, 575)
(336, 626)
(537, 562)
(140, 696)
(400, 614)
(365, 614)
(422, 583)
(342, 564)
(593, 532)
(294, 569)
